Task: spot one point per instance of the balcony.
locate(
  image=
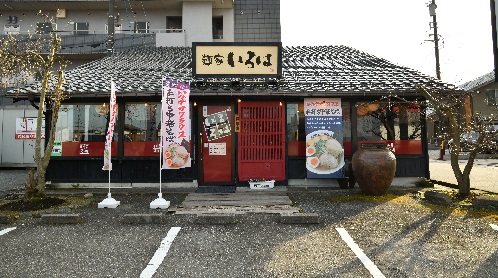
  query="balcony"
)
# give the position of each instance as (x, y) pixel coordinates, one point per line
(95, 42)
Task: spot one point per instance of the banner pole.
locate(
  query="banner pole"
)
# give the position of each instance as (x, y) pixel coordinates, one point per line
(110, 202)
(160, 202)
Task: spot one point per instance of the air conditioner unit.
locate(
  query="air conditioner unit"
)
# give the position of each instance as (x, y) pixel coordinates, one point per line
(13, 29)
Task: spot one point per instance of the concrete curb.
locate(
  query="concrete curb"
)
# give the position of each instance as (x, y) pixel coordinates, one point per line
(216, 219)
(60, 219)
(143, 218)
(299, 218)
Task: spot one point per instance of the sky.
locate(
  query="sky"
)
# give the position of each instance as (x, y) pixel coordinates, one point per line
(397, 30)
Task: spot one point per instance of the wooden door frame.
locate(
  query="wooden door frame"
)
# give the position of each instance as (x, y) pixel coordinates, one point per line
(198, 135)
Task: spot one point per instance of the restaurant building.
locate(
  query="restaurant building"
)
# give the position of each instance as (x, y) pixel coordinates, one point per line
(240, 128)
(298, 124)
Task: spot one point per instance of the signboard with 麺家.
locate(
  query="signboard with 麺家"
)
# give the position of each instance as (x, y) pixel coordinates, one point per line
(237, 59)
(324, 138)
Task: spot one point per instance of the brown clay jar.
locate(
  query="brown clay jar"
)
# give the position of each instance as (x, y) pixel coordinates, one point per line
(374, 166)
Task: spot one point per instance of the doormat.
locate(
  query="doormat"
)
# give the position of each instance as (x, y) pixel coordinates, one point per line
(216, 189)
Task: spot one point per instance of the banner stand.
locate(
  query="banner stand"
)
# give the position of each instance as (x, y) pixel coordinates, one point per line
(160, 202)
(110, 202)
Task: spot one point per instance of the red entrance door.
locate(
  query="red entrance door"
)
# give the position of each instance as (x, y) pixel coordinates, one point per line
(216, 141)
(261, 141)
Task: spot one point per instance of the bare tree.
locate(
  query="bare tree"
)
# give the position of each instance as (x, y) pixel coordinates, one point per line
(450, 106)
(22, 58)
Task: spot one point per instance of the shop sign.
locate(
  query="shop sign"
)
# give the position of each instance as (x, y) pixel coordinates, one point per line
(324, 138)
(236, 59)
(26, 128)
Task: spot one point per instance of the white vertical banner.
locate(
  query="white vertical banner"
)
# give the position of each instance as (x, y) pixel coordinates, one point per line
(175, 125)
(110, 129)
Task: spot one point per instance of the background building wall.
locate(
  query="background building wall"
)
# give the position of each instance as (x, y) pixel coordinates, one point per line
(257, 21)
(14, 152)
(197, 21)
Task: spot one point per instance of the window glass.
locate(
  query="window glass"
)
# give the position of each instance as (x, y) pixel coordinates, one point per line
(81, 130)
(142, 27)
(44, 27)
(491, 96)
(81, 28)
(399, 125)
(82, 123)
(142, 122)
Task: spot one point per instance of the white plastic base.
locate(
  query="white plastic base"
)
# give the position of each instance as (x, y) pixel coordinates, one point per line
(159, 203)
(109, 202)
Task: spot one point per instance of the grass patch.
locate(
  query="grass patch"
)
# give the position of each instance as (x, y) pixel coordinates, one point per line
(364, 198)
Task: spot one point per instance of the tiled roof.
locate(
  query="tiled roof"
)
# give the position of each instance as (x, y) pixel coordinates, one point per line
(478, 82)
(308, 70)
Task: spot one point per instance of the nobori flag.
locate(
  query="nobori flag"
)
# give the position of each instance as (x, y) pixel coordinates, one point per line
(175, 125)
(110, 129)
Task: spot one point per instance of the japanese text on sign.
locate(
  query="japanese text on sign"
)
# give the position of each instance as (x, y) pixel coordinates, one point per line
(236, 59)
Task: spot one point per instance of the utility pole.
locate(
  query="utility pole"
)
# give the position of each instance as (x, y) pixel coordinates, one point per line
(432, 12)
(110, 29)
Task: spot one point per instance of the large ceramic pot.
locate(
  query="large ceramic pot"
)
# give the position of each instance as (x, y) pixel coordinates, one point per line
(374, 166)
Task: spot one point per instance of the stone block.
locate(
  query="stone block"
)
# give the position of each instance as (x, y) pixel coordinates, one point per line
(299, 218)
(216, 219)
(480, 202)
(60, 219)
(438, 197)
(152, 218)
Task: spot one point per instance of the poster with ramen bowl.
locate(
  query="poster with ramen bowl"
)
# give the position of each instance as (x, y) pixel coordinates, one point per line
(324, 138)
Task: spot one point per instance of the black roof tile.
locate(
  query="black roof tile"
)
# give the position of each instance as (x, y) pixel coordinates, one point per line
(315, 69)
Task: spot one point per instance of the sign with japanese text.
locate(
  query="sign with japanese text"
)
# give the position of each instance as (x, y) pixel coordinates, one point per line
(175, 125)
(26, 128)
(233, 59)
(324, 138)
(110, 129)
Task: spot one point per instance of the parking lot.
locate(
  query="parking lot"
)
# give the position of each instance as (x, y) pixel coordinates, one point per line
(396, 236)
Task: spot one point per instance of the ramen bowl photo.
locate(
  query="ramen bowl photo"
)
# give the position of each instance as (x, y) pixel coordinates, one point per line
(324, 154)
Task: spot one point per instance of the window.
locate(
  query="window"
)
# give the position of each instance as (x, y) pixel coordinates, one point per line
(399, 125)
(173, 23)
(81, 28)
(82, 123)
(81, 130)
(142, 27)
(45, 27)
(491, 97)
(142, 129)
(218, 28)
(142, 122)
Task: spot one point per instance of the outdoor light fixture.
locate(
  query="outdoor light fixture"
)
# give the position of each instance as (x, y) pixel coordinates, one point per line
(195, 103)
(281, 104)
(239, 100)
(432, 9)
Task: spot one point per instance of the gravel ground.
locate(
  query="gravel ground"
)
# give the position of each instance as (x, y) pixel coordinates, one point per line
(12, 180)
(402, 236)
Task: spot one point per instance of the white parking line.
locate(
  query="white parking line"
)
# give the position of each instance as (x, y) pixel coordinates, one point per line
(495, 227)
(359, 253)
(4, 231)
(161, 252)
